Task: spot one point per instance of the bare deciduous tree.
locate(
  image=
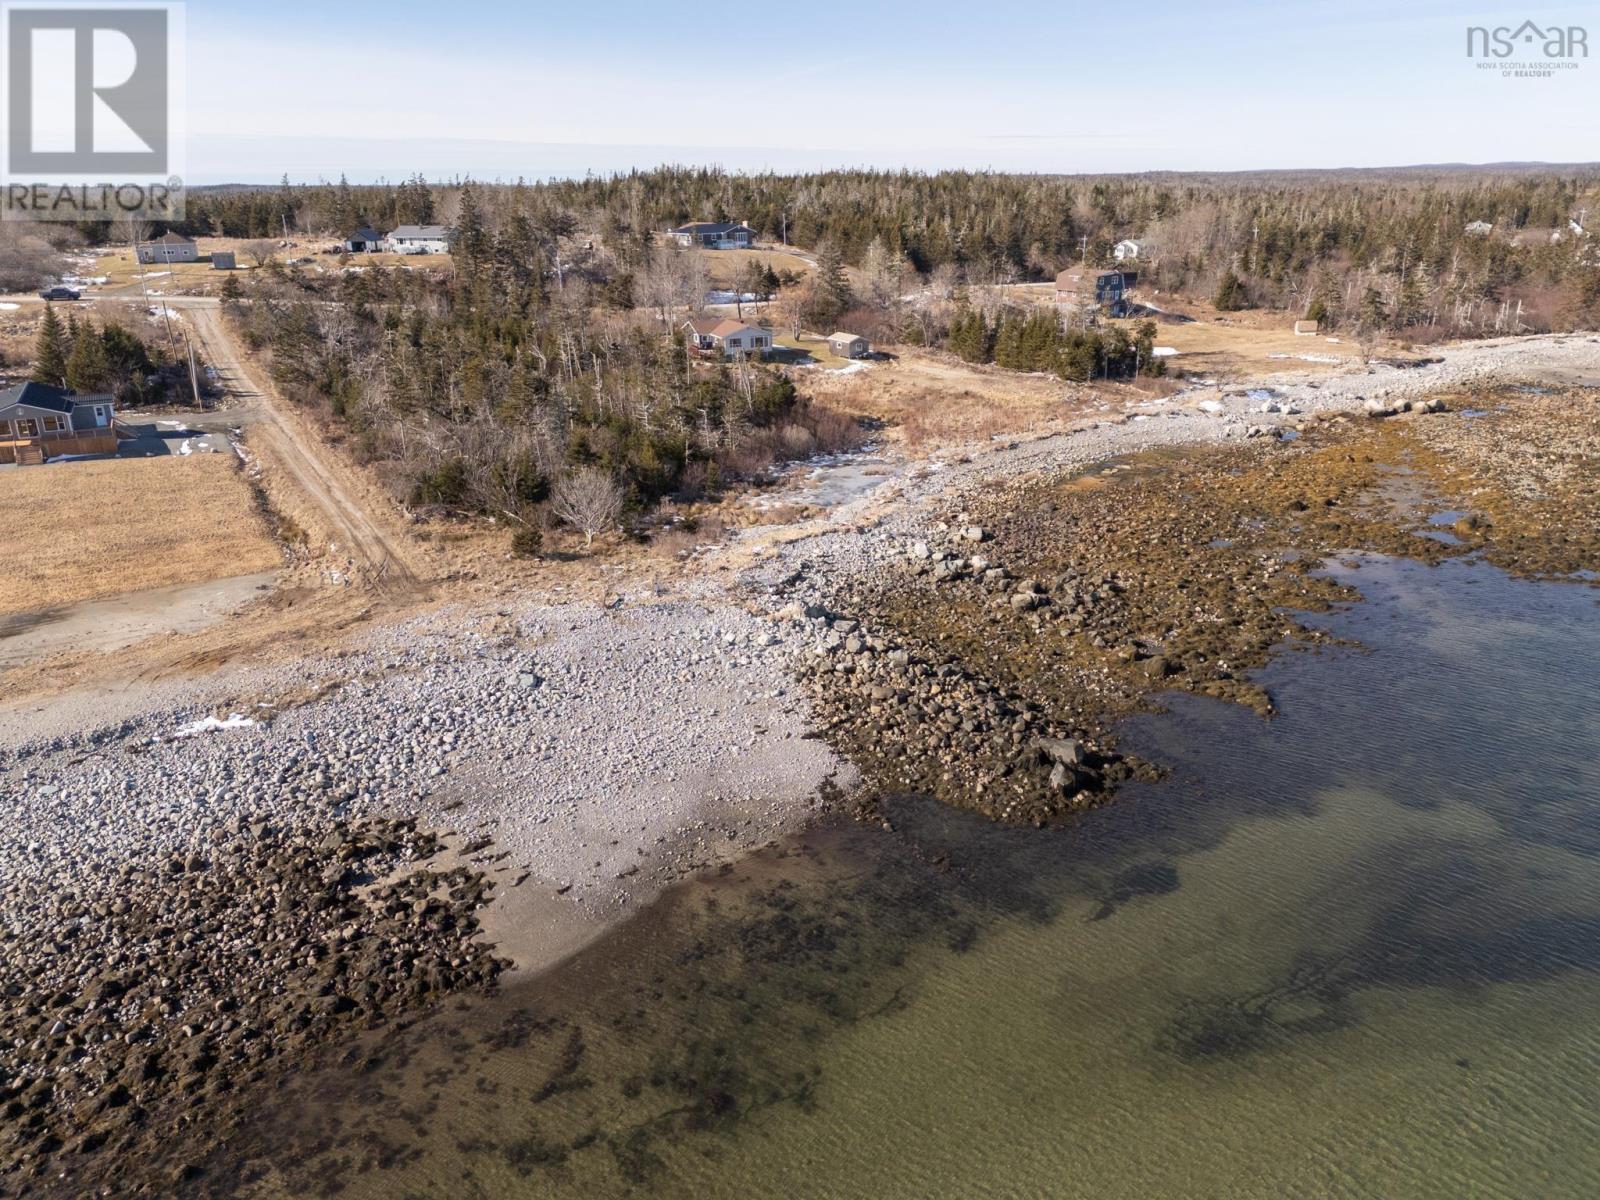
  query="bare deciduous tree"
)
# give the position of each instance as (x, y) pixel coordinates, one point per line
(673, 280)
(260, 251)
(26, 258)
(589, 500)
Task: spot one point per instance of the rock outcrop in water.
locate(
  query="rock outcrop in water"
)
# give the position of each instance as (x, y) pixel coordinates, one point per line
(133, 1007)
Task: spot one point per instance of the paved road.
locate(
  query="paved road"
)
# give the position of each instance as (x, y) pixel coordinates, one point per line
(284, 442)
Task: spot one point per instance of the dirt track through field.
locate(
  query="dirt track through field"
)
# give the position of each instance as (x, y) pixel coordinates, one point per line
(372, 553)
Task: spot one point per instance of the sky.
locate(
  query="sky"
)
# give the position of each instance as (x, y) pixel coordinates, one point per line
(497, 90)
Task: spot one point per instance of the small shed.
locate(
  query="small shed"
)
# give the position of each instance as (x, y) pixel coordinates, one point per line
(848, 345)
(1125, 249)
(365, 240)
(223, 260)
(1305, 328)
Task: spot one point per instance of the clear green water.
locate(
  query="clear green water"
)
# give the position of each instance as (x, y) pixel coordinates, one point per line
(1354, 951)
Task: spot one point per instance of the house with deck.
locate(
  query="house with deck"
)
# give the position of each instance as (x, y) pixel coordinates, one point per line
(713, 336)
(714, 235)
(421, 239)
(1085, 287)
(170, 247)
(40, 422)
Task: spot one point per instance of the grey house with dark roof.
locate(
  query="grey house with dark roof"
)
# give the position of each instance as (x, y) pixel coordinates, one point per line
(714, 235)
(169, 248)
(38, 421)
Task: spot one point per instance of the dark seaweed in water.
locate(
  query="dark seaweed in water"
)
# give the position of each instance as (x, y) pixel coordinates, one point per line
(1144, 879)
(706, 1039)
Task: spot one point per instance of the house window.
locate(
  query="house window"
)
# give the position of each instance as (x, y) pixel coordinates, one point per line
(52, 424)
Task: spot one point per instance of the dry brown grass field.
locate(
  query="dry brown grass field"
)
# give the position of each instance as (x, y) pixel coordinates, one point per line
(85, 530)
(932, 398)
(726, 267)
(124, 275)
(1232, 345)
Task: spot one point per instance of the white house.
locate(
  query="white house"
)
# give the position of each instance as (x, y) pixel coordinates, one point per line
(421, 239)
(169, 248)
(1127, 248)
(730, 338)
(714, 235)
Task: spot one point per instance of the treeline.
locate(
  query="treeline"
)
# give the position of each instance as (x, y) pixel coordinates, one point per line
(1290, 241)
(483, 391)
(1035, 340)
(76, 354)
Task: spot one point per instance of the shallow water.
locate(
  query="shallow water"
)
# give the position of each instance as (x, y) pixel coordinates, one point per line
(1353, 951)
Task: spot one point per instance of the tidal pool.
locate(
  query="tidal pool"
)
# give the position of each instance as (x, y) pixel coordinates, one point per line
(1351, 951)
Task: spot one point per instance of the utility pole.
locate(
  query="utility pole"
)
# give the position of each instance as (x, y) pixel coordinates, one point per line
(194, 378)
(784, 236)
(1083, 248)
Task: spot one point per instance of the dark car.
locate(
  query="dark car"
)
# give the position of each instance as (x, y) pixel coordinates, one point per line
(58, 293)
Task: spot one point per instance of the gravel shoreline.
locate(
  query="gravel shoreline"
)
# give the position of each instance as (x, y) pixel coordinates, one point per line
(640, 741)
(580, 757)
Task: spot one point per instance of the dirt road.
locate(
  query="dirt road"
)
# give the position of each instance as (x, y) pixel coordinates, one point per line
(289, 447)
(283, 440)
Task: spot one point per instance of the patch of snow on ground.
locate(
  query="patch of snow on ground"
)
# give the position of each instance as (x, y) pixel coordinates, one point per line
(1162, 352)
(214, 724)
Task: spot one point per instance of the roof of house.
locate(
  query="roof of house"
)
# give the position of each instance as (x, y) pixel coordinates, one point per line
(1086, 276)
(366, 234)
(44, 398)
(421, 231)
(839, 335)
(38, 395)
(1128, 242)
(719, 327)
(175, 239)
(713, 227)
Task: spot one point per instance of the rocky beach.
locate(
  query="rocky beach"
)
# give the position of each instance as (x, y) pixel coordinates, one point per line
(210, 889)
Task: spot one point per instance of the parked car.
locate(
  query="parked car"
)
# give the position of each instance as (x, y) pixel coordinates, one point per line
(58, 293)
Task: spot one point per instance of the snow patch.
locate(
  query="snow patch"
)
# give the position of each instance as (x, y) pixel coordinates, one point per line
(214, 724)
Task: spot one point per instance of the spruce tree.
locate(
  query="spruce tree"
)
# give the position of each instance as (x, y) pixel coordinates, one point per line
(832, 296)
(1231, 295)
(87, 366)
(50, 352)
(472, 243)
